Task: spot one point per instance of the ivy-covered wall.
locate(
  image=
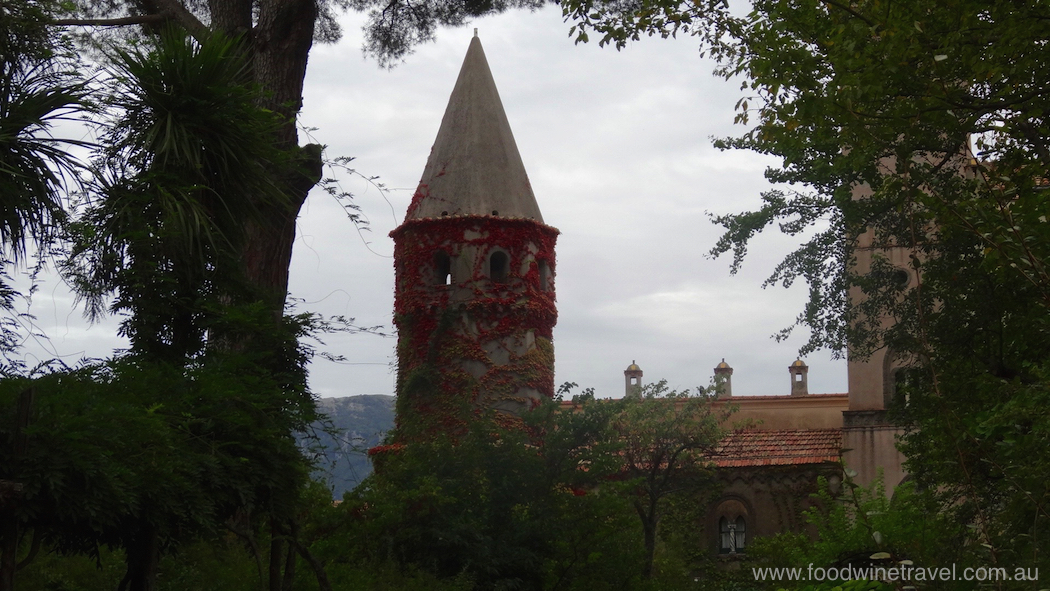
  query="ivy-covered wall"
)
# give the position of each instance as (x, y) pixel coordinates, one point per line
(472, 338)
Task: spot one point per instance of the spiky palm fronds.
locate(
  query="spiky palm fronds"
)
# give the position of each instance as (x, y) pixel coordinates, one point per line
(34, 165)
(188, 160)
(191, 123)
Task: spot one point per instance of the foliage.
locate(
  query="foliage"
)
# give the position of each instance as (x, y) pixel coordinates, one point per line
(188, 158)
(216, 564)
(493, 508)
(668, 438)
(860, 528)
(195, 446)
(38, 90)
(914, 135)
(395, 28)
(33, 97)
(853, 523)
(887, 95)
(185, 163)
(558, 497)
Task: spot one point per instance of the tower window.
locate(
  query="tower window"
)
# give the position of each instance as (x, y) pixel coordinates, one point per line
(498, 264)
(545, 276)
(442, 268)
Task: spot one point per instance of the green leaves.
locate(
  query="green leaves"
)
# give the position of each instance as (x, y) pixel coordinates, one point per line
(913, 136)
(190, 162)
(113, 443)
(36, 92)
(190, 110)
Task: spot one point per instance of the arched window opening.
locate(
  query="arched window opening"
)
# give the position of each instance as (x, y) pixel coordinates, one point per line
(905, 381)
(545, 276)
(442, 268)
(498, 264)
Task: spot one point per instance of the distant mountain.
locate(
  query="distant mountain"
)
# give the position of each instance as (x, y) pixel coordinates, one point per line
(355, 423)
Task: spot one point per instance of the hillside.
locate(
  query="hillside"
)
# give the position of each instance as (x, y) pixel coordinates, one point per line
(355, 423)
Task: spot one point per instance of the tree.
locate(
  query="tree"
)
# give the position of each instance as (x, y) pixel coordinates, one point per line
(37, 90)
(276, 37)
(853, 94)
(859, 528)
(668, 440)
(185, 162)
(35, 93)
(919, 129)
(145, 457)
(501, 507)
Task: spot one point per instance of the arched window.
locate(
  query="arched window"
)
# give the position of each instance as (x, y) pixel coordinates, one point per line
(442, 268)
(498, 264)
(732, 535)
(906, 380)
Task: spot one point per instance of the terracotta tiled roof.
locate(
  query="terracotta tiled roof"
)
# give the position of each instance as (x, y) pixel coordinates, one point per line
(779, 448)
(736, 398)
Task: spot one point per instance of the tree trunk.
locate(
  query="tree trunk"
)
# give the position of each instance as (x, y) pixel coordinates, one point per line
(650, 520)
(276, 553)
(143, 558)
(649, 529)
(289, 568)
(9, 541)
(8, 518)
(232, 17)
(281, 43)
(319, 572)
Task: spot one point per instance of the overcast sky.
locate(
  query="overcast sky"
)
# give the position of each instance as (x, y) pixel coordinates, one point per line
(618, 150)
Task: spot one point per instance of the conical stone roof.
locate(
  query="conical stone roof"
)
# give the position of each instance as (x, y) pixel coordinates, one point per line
(474, 167)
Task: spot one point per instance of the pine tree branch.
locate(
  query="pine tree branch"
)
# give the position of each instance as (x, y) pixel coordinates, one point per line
(144, 19)
(184, 17)
(169, 10)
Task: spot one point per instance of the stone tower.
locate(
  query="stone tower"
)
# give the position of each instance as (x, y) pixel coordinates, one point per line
(474, 265)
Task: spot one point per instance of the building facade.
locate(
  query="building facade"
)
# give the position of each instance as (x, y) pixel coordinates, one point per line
(769, 470)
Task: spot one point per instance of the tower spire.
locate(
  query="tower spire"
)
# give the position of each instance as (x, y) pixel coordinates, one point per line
(474, 167)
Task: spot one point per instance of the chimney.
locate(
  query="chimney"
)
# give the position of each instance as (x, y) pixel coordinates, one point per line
(723, 380)
(799, 384)
(632, 377)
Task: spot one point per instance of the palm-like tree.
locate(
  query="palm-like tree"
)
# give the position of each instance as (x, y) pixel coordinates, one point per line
(188, 159)
(35, 167)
